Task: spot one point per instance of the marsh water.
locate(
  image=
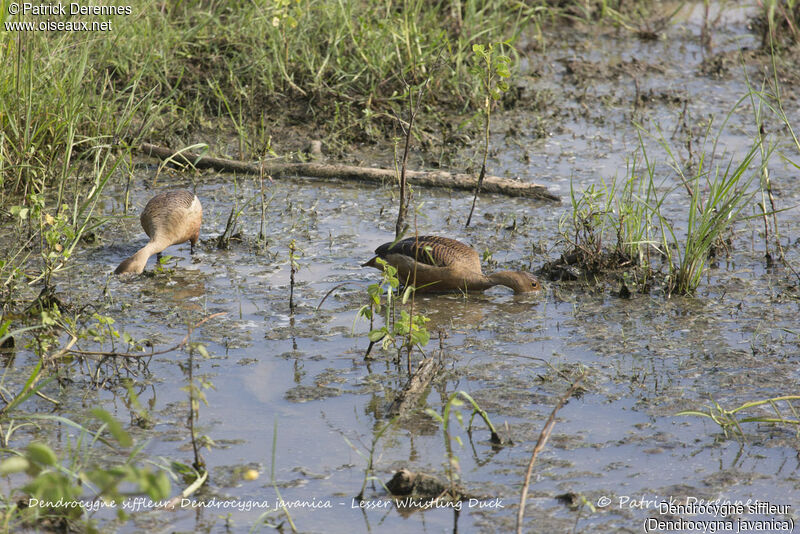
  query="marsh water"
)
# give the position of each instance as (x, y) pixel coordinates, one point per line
(301, 379)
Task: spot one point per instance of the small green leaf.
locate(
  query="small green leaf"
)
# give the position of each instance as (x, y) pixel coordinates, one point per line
(407, 294)
(15, 464)
(421, 337)
(158, 486)
(114, 426)
(432, 413)
(378, 334)
(202, 350)
(42, 454)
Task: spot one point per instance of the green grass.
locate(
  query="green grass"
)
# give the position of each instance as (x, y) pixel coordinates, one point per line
(730, 419)
(614, 227)
(611, 225)
(167, 69)
(779, 23)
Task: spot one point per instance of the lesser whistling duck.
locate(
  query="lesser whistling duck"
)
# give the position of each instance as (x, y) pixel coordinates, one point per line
(444, 264)
(169, 218)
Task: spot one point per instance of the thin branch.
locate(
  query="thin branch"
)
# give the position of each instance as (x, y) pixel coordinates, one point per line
(106, 354)
(543, 437)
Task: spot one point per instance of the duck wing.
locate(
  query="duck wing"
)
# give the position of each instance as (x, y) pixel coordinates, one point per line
(434, 250)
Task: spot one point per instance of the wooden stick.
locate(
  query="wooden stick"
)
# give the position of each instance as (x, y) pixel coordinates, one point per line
(542, 441)
(277, 169)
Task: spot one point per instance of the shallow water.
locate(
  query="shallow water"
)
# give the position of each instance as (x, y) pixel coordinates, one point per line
(645, 358)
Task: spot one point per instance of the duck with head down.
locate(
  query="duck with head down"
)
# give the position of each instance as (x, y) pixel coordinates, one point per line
(169, 218)
(444, 264)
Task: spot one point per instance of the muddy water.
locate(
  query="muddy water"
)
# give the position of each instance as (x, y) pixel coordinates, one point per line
(303, 375)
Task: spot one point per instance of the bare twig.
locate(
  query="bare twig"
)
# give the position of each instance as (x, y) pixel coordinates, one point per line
(292, 271)
(328, 294)
(107, 354)
(543, 437)
(413, 110)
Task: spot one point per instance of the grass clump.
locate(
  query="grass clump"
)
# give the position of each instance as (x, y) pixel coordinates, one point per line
(709, 217)
(778, 21)
(344, 64)
(165, 70)
(612, 227)
(623, 228)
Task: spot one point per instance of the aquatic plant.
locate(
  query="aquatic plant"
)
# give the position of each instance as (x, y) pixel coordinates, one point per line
(779, 21)
(403, 332)
(262, 519)
(456, 400)
(770, 97)
(293, 267)
(409, 326)
(369, 469)
(717, 195)
(714, 205)
(611, 225)
(55, 480)
(728, 419)
(452, 466)
(196, 390)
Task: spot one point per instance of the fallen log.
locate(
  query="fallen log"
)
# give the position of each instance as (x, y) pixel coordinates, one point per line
(409, 398)
(276, 169)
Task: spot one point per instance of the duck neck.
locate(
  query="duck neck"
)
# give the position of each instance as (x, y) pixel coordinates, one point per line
(135, 264)
(504, 278)
(479, 282)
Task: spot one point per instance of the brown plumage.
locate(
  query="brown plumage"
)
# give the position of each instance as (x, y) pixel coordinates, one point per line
(444, 264)
(169, 218)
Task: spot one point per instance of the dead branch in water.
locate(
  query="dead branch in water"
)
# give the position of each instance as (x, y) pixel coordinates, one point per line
(408, 399)
(544, 435)
(276, 169)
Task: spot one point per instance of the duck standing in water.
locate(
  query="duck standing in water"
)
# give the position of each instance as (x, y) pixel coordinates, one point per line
(444, 264)
(169, 218)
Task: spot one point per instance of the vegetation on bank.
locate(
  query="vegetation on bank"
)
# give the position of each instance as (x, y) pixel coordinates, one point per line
(170, 69)
(621, 227)
(74, 105)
